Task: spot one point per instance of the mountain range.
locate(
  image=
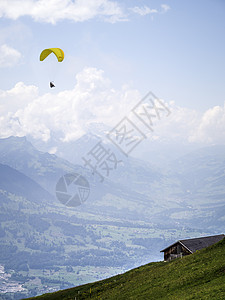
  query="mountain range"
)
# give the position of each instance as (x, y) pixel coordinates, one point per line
(127, 219)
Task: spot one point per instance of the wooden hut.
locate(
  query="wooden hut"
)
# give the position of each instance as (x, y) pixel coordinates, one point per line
(189, 246)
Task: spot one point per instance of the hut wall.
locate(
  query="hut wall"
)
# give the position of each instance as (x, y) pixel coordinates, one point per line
(175, 251)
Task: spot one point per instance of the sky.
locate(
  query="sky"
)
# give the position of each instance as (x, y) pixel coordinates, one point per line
(115, 53)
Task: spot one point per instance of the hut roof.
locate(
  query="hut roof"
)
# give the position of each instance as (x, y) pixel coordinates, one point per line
(198, 243)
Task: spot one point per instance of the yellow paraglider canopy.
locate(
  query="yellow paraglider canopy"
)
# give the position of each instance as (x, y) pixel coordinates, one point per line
(57, 51)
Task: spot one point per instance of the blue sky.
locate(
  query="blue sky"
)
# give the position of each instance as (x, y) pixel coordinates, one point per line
(174, 48)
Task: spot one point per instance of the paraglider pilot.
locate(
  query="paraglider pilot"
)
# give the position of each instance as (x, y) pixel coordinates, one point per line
(52, 84)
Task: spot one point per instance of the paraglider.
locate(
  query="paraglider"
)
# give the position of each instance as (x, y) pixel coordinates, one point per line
(58, 53)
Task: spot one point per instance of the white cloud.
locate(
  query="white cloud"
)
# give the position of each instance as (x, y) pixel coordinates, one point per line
(144, 10)
(211, 128)
(178, 126)
(70, 113)
(189, 126)
(165, 8)
(8, 56)
(52, 11)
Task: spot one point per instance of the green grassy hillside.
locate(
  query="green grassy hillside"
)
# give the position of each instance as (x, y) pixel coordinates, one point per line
(197, 276)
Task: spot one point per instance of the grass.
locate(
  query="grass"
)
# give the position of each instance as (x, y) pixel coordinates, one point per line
(197, 276)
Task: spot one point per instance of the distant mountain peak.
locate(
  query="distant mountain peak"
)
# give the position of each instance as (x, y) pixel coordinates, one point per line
(17, 140)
